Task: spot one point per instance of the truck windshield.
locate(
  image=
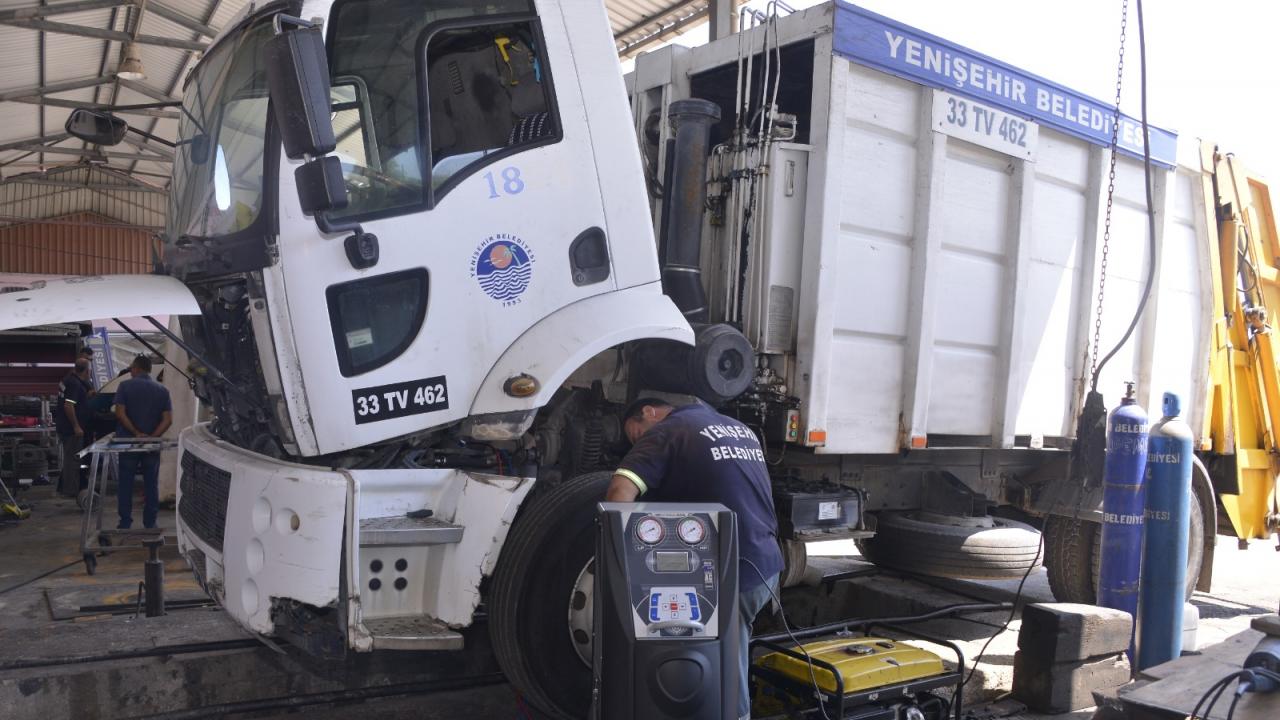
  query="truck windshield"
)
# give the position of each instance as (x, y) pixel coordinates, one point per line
(218, 166)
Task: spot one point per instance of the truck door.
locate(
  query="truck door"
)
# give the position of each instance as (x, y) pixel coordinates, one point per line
(465, 150)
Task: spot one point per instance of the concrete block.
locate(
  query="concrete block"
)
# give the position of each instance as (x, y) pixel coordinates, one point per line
(1061, 687)
(1107, 705)
(1269, 624)
(1062, 632)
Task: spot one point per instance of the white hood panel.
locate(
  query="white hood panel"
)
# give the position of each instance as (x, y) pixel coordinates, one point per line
(79, 299)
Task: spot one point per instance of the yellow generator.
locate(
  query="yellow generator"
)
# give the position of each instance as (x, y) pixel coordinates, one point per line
(857, 678)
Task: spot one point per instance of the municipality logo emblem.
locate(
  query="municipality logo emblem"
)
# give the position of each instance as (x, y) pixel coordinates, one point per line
(503, 266)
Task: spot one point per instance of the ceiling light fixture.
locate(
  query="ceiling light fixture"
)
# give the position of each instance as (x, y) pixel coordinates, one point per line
(131, 67)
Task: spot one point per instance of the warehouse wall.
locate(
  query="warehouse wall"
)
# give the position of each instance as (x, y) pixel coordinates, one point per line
(80, 220)
(83, 243)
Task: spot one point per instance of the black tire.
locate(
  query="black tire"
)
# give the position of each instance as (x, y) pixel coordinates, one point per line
(795, 560)
(1195, 544)
(1004, 550)
(550, 543)
(1073, 559)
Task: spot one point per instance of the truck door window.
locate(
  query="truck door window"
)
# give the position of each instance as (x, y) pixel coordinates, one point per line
(487, 94)
(383, 49)
(375, 319)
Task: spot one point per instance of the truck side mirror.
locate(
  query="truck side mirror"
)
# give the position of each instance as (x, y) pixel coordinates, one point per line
(96, 127)
(298, 77)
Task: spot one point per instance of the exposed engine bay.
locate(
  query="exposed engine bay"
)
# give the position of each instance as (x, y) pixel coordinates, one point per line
(578, 432)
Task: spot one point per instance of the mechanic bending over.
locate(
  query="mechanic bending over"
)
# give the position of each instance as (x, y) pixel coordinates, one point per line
(695, 454)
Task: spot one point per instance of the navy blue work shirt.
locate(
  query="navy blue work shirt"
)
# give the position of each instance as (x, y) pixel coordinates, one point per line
(695, 454)
(72, 390)
(145, 401)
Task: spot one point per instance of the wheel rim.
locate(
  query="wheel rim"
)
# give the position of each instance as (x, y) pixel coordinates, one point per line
(582, 612)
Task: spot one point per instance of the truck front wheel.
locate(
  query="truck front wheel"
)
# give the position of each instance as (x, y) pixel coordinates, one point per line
(537, 586)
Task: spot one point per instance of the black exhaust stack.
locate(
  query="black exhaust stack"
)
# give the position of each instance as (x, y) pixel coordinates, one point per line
(721, 364)
(686, 198)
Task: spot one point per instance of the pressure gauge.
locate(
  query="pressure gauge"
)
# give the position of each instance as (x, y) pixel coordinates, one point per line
(650, 530)
(692, 531)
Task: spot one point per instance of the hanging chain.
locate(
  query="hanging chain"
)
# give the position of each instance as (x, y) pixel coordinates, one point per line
(1111, 192)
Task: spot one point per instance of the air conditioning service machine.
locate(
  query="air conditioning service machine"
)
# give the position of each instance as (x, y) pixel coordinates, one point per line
(666, 612)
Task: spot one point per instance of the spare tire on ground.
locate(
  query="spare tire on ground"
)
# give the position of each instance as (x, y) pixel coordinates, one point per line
(942, 546)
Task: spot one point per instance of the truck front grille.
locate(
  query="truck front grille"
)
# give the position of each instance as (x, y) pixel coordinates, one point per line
(203, 506)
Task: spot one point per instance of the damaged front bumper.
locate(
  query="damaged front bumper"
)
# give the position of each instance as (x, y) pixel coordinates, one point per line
(268, 537)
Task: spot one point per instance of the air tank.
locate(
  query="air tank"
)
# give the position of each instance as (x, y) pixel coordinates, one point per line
(1164, 554)
(1123, 481)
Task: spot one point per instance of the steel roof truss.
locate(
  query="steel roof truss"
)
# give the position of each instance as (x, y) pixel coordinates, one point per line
(105, 34)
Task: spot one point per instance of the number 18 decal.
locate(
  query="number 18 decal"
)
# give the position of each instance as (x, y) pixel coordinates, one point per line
(509, 182)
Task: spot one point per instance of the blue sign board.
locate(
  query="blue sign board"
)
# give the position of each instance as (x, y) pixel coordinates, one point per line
(103, 366)
(876, 41)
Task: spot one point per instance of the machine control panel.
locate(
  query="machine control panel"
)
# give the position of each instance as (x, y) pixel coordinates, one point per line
(671, 564)
(679, 603)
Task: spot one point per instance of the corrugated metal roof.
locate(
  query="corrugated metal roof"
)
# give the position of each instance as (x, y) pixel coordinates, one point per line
(637, 24)
(43, 46)
(39, 196)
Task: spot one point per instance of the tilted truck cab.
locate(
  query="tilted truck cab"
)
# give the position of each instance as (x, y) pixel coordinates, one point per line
(503, 209)
(369, 455)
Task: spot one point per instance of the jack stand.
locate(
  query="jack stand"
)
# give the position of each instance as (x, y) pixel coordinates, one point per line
(154, 577)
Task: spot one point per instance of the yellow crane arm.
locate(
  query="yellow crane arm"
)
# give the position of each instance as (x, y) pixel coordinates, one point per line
(1244, 388)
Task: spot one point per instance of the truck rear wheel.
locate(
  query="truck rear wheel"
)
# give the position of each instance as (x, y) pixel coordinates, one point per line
(1072, 555)
(975, 548)
(535, 591)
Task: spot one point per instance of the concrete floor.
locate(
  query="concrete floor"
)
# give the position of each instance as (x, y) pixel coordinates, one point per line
(1244, 587)
(50, 540)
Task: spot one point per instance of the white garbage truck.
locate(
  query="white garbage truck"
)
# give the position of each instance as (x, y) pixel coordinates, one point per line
(432, 250)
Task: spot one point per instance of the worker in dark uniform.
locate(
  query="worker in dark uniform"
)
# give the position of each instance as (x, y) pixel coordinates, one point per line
(69, 418)
(87, 354)
(695, 454)
(143, 410)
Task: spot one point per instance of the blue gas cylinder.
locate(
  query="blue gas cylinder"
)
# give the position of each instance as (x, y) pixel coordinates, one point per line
(1164, 554)
(1123, 481)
